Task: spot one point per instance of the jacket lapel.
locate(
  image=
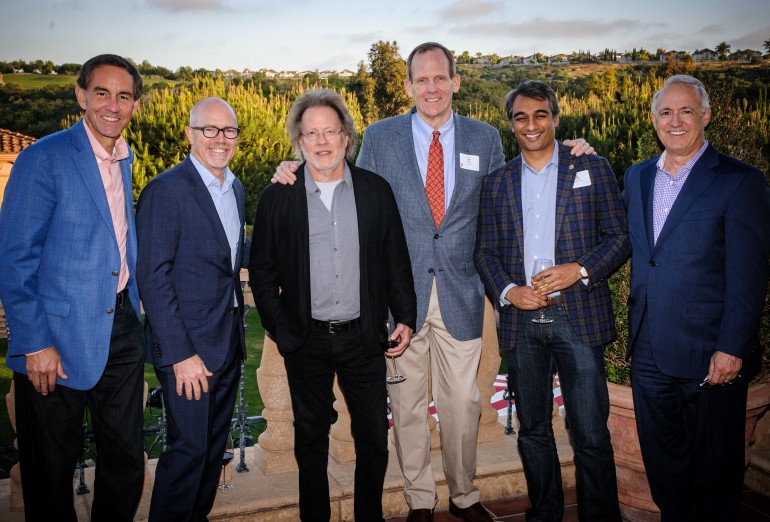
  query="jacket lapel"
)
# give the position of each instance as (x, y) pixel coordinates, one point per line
(408, 158)
(202, 197)
(513, 196)
(85, 165)
(646, 184)
(564, 183)
(699, 179)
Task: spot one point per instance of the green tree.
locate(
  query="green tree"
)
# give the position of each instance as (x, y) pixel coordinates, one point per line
(766, 45)
(723, 49)
(388, 72)
(362, 86)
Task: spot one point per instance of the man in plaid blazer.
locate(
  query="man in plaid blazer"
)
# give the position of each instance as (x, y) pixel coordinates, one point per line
(546, 204)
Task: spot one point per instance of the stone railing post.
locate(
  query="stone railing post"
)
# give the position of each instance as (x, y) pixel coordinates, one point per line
(489, 428)
(275, 451)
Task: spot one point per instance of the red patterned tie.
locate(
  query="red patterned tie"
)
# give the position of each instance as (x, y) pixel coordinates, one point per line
(434, 181)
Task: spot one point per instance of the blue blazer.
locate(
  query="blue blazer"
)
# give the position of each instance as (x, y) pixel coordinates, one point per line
(446, 252)
(590, 229)
(184, 271)
(702, 286)
(59, 258)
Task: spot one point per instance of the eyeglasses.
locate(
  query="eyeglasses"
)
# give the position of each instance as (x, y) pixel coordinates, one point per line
(212, 132)
(314, 135)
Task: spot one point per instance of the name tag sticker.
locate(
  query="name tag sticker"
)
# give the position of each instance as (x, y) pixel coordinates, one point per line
(582, 179)
(469, 162)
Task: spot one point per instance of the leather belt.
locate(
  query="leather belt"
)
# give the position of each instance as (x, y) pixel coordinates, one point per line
(554, 301)
(335, 327)
(121, 298)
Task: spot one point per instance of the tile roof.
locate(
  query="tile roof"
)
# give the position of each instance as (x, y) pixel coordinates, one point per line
(14, 142)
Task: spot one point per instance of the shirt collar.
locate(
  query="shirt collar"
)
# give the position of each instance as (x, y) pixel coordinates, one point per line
(554, 161)
(687, 166)
(426, 131)
(208, 178)
(311, 187)
(119, 152)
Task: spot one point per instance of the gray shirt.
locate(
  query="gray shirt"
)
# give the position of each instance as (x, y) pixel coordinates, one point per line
(334, 258)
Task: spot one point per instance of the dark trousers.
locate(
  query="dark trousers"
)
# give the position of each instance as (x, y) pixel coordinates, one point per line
(187, 472)
(587, 406)
(310, 371)
(692, 440)
(50, 433)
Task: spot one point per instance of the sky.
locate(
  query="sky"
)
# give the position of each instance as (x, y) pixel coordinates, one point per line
(334, 34)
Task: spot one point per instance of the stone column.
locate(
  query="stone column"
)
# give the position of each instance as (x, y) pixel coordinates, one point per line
(275, 451)
(341, 446)
(489, 428)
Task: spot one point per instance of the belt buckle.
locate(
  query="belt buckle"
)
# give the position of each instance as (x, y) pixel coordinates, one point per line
(332, 330)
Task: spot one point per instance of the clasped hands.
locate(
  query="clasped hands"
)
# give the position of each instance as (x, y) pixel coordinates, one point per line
(553, 279)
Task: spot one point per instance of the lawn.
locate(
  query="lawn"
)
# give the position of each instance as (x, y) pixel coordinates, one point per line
(254, 338)
(38, 81)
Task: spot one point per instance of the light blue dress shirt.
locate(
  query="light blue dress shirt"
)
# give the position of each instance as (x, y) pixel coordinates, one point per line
(422, 134)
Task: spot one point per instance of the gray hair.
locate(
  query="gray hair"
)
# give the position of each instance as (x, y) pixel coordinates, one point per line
(320, 98)
(685, 79)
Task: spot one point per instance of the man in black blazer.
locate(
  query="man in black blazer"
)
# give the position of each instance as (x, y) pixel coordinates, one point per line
(189, 222)
(328, 259)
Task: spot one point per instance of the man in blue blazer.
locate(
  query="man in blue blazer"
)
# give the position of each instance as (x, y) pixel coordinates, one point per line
(190, 226)
(67, 282)
(700, 232)
(545, 204)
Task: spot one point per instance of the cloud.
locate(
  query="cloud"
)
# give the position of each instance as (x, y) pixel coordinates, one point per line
(465, 9)
(180, 6)
(544, 29)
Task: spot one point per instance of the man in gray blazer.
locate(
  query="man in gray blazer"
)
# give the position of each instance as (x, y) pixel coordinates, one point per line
(450, 296)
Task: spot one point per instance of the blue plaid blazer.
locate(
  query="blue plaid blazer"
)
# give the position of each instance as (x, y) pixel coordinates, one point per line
(591, 229)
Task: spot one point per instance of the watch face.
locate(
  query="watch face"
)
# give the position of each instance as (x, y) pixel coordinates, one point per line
(583, 271)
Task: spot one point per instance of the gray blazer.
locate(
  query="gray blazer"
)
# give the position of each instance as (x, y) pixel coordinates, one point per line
(447, 252)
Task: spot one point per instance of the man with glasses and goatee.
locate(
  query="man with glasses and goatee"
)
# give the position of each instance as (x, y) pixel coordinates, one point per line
(189, 223)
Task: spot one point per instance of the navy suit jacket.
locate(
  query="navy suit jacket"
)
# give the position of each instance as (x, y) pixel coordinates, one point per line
(59, 258)
(701, 286)
(446, 252)
(590, 229)
(185, 272)
(279, 264)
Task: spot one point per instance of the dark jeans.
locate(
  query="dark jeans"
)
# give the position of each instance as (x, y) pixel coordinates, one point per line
(188, 470)
(311, 371)
(50, 433)
(584, 390)
(692, 441)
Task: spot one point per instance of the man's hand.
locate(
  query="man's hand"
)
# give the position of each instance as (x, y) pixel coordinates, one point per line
(402, 334)
(191, 376)
(723, 368)
(284, 174)
(579, 147)
(525, 298)
(557, 278)
(42, 369)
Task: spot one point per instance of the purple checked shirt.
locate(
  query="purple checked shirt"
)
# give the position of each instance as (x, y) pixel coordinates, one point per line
(667, 188)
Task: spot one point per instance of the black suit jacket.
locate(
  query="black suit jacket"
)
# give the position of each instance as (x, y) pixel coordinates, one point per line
(279, 264)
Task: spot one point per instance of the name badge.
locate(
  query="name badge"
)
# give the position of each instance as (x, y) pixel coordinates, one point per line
(582, 179)
(469, 162)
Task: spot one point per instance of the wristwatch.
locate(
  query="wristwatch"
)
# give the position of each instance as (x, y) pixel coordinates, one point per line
(583, 272)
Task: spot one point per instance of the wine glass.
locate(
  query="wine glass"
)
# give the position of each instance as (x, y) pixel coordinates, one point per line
(226, 459)
(386, 332)
(540, 265)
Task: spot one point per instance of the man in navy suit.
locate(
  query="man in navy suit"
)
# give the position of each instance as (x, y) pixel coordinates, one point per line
(189, 224)
(700, 232)
(450, 297)
(328, 261)
(67, 282)
(546, 205)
